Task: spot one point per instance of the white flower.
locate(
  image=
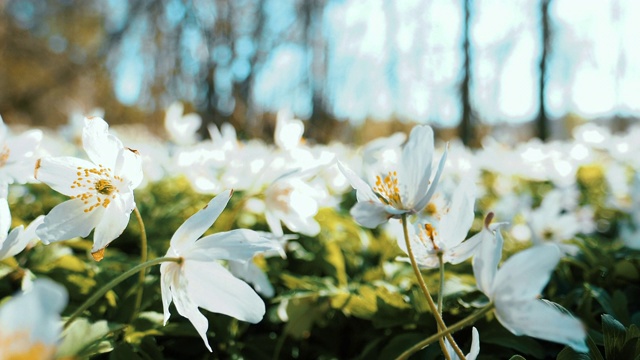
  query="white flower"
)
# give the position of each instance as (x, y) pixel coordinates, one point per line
(514, 289)
(16, 156)
(200, 281)
(406, 190)
(473, 352)
(30, 322)
(292, 201)
(444, 230)
(182, 129)
(101, 190)
(18, 239)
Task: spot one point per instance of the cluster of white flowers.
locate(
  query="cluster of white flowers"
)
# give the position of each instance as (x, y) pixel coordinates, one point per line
(289, 181)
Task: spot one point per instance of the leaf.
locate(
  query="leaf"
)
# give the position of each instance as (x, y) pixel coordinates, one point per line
(500, 336)
(602, 297)
(82, 339)
(399, 344)
(303, 314)
(614, 336)
(569, 354)
(335, 258)
(621, 307)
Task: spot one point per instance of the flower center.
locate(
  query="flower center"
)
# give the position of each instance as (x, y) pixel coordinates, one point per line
(387, 188)
(98, 186)
(16, 345)
(104, 187)
(4, 155)
(428, 235)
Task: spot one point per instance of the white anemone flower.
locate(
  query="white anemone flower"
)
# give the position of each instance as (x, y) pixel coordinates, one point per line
(473, 352)
(30, 324)
(17, 156)
(515, 287)
(199, 280)
(19, 238)
(182, 128)
(101, 190)
(406, 190)
(445, 230)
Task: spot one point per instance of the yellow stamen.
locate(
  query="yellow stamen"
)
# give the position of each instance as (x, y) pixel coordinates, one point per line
(387, 188)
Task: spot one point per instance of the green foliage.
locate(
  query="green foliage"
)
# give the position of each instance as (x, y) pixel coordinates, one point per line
(339, 295)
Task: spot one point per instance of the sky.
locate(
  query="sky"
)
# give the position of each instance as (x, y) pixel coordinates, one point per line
(402, 59)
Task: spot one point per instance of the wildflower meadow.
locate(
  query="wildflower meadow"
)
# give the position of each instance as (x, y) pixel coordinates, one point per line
(116, 243)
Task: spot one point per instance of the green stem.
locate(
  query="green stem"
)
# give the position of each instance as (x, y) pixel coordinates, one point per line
(441, 291)
(111, 284)
(425, 290)
(455, 327)
(143, 259)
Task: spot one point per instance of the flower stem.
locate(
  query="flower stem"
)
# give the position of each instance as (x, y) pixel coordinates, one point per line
(143, 259)
(425, 290)
(455, 327)
(441, 290)
(111, 284)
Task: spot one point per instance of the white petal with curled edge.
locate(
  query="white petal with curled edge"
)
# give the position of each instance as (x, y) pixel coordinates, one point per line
(238, 244)
(464, 250)
(129, 166)
(524, 275)
(169, 271)
(101, 147)
(363, 190)
(5, 219)
(455, 224)
(187, 307)
(370, 214)
(61, 172)
(199, 222)
(415, 173)
(114, 220)
(538, 319)
(434, 184)
(485, 261)
(212, 287)
(68, 220)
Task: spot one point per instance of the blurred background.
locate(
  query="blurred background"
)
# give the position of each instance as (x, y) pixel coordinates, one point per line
(516, 69)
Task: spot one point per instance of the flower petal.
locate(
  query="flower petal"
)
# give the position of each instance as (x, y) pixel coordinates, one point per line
(541, 320)
(419, 205)
(524, 275)
(212, 287)
(455, 224)
(187, 307)
(68, 220)
(5, 219)
(363, 190)
(249, 272)
(238, 244)
(168, 273)
(60, 173)
(415, 172)
(199, 222)
(101, 147)
(370, 214)
(463, 251)
(114, 220)
(485, 261)
(129, 166)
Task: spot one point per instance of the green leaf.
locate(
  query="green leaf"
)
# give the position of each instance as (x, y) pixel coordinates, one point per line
(82, 339)
(594, 351)
(569, 354)
(334, 257)
(614, 336)
(500, 336)
(399, 344)
(602, 297)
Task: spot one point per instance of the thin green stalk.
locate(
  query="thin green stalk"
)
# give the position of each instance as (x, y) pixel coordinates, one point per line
(455, 327)
(441, 291)
(143, 259)
(425, 290)
(111, 284)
